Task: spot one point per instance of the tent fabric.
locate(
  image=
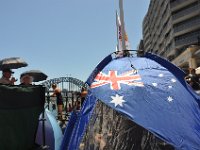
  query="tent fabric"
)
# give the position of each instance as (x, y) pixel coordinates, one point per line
(151, 92)
(77, 124)
(20, 108)
(104, 123)
(108, 129)
(58, 136)
(171, 67)
(53, 133)
(156, 98)
(68, 130)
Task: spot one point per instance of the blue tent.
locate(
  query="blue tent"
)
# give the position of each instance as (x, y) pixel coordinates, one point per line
(136, 103)
(51, 129)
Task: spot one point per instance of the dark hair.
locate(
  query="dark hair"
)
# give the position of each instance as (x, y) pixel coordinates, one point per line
(54, 85)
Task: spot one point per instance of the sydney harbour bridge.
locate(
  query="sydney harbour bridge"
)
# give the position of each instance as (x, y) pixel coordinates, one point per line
(66, 83)
(71, 90)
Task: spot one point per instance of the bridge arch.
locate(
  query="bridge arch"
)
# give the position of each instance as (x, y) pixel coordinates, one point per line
(71, 90)
(66, 83)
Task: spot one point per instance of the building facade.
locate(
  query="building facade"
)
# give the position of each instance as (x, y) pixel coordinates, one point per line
(171, 29)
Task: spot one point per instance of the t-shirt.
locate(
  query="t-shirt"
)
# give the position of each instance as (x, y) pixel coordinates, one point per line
(4, 80)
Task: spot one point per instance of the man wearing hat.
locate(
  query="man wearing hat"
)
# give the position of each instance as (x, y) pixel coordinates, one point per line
(26, 79)
(6, 77)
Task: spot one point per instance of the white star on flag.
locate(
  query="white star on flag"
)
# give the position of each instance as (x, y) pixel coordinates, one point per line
(117, 100)
(169, 86)
(154, 84)
(170, 99)
(173, 80)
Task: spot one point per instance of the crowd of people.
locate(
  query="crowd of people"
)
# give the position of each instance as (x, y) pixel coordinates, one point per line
(7, 78)
(26, 80)
(69, 106)
(191, 78)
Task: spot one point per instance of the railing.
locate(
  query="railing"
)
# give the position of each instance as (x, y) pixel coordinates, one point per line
(69, 104)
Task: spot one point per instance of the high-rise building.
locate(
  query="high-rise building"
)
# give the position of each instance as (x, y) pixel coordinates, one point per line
(171, 29)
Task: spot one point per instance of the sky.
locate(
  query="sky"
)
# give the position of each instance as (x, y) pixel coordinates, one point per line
(65, 37)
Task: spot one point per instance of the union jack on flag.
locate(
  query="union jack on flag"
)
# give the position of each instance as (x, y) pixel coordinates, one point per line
(129, 78)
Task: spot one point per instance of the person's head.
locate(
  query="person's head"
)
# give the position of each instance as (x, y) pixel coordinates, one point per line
(54, 86)
(26, 79)
(83, 92)
(7, 73)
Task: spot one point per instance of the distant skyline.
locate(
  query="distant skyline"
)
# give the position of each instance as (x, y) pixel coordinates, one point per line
(65, 38)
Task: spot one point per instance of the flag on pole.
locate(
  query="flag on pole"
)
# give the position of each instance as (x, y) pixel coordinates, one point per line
(119, 35)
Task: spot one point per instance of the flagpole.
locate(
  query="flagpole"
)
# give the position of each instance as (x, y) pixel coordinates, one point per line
(117, 47)
(122, 24)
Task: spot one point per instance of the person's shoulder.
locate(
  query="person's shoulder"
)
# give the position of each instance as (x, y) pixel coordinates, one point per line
(4, 81)
(57, 90)
(2, 78)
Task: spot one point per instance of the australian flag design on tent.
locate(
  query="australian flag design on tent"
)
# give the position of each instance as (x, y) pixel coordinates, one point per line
(115, 80)
(151, 92)
(152, 96)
